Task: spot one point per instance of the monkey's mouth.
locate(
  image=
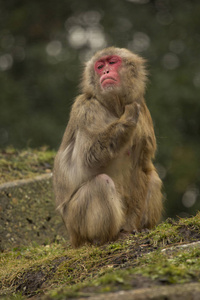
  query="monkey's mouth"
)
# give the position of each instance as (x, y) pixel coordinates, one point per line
(107, 78)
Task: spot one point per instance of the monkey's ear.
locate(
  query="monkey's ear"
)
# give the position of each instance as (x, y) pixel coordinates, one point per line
(138, 65)
(139, 70)
(142, 69)
(88, 78)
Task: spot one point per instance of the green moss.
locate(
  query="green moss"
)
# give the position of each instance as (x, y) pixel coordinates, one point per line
(179, 266)
(21, 164)
(60, 271)
(164, 234)
(193, 222)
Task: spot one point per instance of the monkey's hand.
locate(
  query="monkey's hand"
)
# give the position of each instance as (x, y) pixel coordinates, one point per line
(111, 140)
(131, 114)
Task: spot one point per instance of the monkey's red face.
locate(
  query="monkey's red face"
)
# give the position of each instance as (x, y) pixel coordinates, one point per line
(107, 68)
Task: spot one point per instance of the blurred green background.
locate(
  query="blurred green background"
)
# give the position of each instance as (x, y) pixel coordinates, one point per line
(43, 46)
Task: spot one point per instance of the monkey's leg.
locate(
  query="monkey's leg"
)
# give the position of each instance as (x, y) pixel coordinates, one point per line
(153, 203)
(95, 212)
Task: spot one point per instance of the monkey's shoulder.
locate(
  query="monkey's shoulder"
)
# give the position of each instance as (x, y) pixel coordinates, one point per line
(88, 111)
(85, 102)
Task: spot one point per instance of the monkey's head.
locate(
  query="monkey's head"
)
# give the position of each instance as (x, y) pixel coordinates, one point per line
(115, 71)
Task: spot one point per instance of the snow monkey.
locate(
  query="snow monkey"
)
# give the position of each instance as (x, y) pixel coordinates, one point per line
(104, 179)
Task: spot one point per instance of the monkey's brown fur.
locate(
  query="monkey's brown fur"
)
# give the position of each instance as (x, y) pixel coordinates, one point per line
(104, 178)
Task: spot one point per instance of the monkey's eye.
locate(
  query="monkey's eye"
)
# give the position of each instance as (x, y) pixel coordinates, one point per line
(100, 67)
(112, 62)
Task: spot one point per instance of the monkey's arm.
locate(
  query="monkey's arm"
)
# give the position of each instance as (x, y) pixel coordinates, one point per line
(144, 139)
(109, 142)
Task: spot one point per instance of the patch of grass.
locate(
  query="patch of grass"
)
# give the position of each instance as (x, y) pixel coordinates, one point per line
(55, 264)
(14, 263)
(164, 234)
(193, 222)
(175, 232)
(179, 266)
(161, 268)
(59, 270)
(21, 164)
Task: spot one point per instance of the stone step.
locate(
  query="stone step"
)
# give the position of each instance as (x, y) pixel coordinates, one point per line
(27, 213)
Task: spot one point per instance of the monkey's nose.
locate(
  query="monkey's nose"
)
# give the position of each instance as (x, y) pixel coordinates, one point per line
(106, 72)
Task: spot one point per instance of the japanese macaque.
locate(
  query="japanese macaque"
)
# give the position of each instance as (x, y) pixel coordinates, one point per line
(104, 179)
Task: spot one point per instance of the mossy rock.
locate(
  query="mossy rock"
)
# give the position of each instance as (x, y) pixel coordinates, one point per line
(27, 210)
(163, 263)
